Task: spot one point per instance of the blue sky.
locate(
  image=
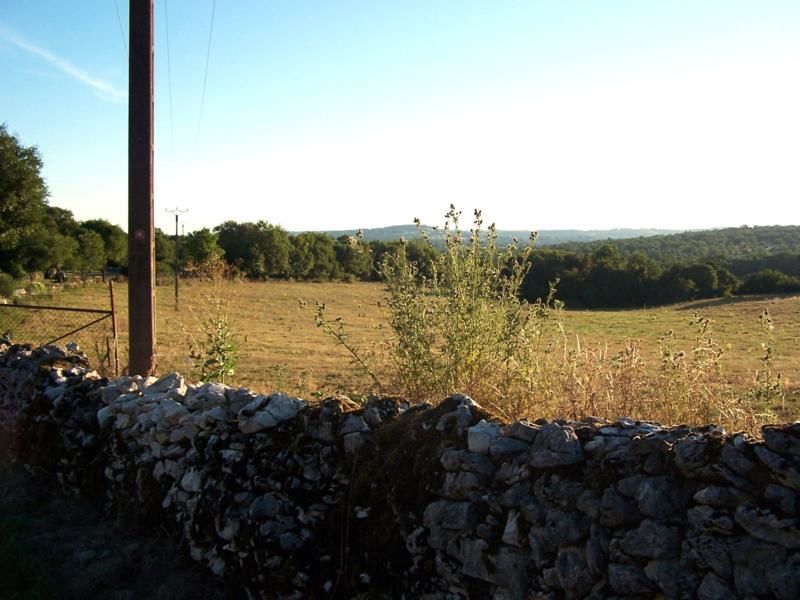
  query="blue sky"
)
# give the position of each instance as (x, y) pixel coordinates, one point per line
(570, 114)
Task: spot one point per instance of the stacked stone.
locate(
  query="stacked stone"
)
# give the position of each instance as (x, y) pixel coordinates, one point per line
(623, 509)
(277, 496)
(48, 402)
(250, 479)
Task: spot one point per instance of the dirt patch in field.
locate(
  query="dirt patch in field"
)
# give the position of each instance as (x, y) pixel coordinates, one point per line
(56, 547)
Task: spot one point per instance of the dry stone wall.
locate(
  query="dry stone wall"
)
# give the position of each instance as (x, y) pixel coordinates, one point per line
(288, 499)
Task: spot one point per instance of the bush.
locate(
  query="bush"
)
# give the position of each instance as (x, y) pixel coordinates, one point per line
(462, 328)
(7, 285)
(770, 281)
(35, 288)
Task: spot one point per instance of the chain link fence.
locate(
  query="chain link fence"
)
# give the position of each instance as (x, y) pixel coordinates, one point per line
(93, 331)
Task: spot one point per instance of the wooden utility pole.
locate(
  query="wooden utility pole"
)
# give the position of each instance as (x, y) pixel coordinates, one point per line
(177, 211)
(141, 242)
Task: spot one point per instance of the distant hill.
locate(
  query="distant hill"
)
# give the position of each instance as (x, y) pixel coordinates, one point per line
(733, 244)
(547, 237)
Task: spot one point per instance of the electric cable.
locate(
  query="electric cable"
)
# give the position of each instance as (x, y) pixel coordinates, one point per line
(205, 74)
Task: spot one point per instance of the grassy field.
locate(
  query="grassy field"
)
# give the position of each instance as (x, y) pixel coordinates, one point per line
(282, 349)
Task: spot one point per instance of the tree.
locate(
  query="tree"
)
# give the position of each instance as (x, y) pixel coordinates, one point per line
(90, 252)
(301, 261)
(273, 241)
(353, 258)
(200, 246)
(115, 241)
(324, 253)
(259, 249)
(23, 199)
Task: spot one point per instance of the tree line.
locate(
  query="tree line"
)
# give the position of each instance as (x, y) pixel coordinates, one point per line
(604, 278)
(37, 237)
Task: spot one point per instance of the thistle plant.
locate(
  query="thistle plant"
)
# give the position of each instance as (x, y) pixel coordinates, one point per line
(214, 350)
(768, 388)
(461, 327)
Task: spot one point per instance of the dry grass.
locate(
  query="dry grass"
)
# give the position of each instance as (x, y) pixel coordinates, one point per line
(281, 348)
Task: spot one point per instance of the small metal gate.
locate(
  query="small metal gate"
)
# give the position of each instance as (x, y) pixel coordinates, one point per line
(94, 330)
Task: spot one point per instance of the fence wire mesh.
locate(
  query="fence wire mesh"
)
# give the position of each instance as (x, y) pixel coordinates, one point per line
(90, 330)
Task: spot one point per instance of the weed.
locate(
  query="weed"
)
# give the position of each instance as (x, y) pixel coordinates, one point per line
(768, 388)
(214, 351)
(460, 325)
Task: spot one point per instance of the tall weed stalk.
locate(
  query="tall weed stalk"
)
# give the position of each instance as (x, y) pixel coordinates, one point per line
(214, 343)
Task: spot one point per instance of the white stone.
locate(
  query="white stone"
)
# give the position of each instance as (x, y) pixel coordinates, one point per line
(480, 436)
(192, 481)
(187, 432)
(257, 422)
(171, 381)
(213, 393)
(511, 531)
(283, 407)
(254, 405)
(104, 416)
(353, 423)
(173, 411)
(218, 413)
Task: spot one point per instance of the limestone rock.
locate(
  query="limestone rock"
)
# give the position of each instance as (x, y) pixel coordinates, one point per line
(765, 525)
(480, 436)
(556, 446)
(283, 407)
(713, 587)
(652, 540)
(629, 579)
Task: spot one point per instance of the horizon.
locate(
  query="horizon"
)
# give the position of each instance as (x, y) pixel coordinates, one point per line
(319, 117)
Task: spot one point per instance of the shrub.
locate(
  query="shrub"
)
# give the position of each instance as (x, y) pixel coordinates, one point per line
(462, 327)
(7, 285)
(214, 351)
(36, 287)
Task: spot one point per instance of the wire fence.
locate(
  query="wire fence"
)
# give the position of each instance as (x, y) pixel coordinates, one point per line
(93, 331)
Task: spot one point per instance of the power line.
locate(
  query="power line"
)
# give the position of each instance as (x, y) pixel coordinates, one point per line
(169, 79)
(205, 75)
(121, 28)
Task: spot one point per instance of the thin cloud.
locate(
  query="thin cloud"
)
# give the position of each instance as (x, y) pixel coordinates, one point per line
(102, 88)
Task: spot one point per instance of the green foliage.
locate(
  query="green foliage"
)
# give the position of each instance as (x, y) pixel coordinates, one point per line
(7, 285)
(605, 279)
(164, 247)
(352, 257)
(200, 247)
(768, 388)
(91, 252)
(260, 250)
(23, 199)
(718, 245)
(462, 327)
(770, 281)
(36, 288)
(115, 241)
(215, 352)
